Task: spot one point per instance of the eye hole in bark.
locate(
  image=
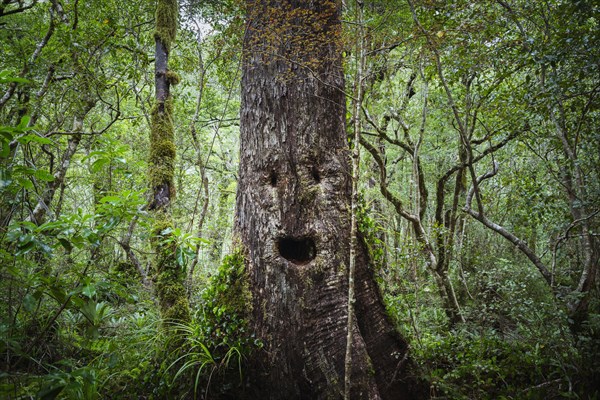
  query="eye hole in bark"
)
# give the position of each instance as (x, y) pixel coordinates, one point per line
(297, 250)
(315, 174)
(273, 178)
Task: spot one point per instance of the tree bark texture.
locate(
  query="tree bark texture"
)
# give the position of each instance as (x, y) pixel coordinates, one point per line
(293, 215)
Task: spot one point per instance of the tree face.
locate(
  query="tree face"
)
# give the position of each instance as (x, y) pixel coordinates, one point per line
(293, 150)
(293, 225)
(293, 212)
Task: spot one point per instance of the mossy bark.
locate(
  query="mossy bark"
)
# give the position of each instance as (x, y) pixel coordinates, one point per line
(293, 207)
(169, 276)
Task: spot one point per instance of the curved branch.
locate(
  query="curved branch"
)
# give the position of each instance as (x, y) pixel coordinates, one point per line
(511, 237)
(20, 9)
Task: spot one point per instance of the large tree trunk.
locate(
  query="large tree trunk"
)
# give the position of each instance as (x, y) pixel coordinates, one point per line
(293, 215)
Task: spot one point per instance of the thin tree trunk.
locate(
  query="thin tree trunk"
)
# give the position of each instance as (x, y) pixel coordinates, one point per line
(201, 164)
(520, 244)
(577, 196)
(169, 276)
(125, 243)
(357, 125)
(39, 212)
(442, 280)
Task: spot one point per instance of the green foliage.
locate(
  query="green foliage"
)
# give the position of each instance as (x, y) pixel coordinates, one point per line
(98, 342)
(471, 363)
(225, 306)
(109, 153)
(8, 77)
(79, 383)
(185, 244)
(75, 320)
(371, 231)
(200, 364)
(14, 178)
(169, 275)
(217, 340)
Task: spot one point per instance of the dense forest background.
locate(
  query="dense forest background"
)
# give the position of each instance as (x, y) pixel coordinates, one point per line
(479, 195)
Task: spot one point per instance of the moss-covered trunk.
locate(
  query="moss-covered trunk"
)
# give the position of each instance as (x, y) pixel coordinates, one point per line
(169, 276)
(293, 216)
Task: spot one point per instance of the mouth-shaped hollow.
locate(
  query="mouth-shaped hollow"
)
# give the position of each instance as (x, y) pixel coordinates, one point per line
(297, 250)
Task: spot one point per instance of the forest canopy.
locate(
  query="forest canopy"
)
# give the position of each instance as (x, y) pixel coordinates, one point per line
(474, 130)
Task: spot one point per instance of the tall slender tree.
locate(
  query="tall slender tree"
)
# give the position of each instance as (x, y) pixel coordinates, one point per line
(293, 215)
(169, 276)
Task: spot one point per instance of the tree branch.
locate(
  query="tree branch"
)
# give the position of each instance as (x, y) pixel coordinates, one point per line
(520, 244)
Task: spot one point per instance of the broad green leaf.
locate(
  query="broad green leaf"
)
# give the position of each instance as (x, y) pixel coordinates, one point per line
(7, 77)
(98, 164)
(44, 175)
(58, 293)
(24, 122)
(180, 257)
(5, 151)
(25, 183)
(46, 248)
(66, 244)
(89, 290)
(32, 137)
(50, 392)
(110, 199)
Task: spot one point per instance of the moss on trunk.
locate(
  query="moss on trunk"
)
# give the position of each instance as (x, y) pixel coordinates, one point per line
(166, 22)
(169, 276)
(162, 147)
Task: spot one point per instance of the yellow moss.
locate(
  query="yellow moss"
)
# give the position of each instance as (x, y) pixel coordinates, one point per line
(173, 77)
(162, 147)
(230, 286)
(227, 305)
(166, 22)
(180, 311)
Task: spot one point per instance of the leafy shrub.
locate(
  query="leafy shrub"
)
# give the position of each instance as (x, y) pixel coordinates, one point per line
(218, 337)
(474, 363)
(226, 304)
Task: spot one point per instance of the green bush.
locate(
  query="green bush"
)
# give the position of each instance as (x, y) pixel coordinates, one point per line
(218, 337)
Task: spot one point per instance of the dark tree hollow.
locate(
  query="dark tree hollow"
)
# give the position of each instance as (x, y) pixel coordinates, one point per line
(273, 178)
(315, 174)
(297, 250)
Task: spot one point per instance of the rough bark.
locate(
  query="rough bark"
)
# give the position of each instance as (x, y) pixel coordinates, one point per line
(293, 216)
